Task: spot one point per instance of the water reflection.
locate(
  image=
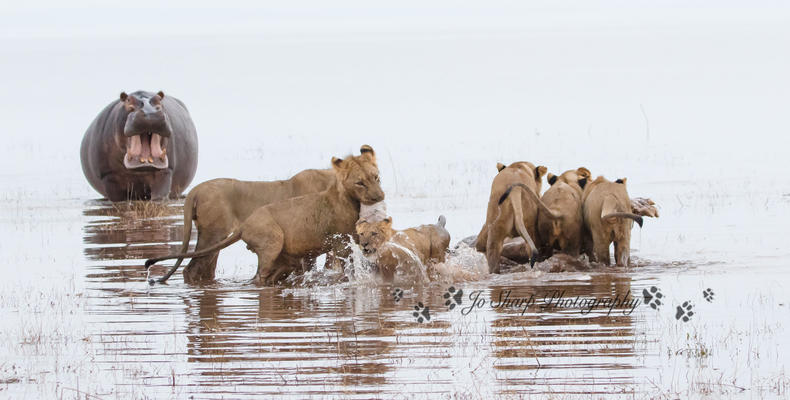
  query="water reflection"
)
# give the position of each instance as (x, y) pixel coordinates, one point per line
(568, 338)
(236, 340)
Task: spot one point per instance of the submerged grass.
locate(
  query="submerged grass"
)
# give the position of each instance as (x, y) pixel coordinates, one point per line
(146, 209)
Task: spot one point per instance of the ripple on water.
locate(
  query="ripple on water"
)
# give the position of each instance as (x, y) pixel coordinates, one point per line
(328, 331)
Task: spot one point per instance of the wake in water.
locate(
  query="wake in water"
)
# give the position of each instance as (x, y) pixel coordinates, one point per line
(463, 264)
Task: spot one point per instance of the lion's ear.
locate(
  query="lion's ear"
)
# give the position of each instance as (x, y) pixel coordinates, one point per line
(583, 172)
(500, 167)
(552, 179)
(337, 163)
(367, 151)
(387, 220)
(582, 182)
(621, 180)
(540, 171)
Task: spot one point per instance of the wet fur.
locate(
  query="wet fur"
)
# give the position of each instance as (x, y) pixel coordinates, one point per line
(284, 233)
(385, 246)
(220, 206)
(607, 218)
(564, 197)
(512, 210)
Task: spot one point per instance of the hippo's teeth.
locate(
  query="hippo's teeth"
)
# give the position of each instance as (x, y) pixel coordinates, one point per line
(156, 146)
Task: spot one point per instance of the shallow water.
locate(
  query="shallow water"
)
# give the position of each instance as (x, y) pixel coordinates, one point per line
(94, 325)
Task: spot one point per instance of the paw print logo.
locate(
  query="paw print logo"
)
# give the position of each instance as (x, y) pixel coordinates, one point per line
(684, 311)
(653, 297)
(397, 294)
(708, 295)
(421, 313)
(454, 297)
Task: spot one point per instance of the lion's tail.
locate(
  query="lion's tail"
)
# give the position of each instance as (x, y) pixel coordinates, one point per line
(518, 216)
(189, 212)
(531, 193)
(628, 215)
(233, 238)
(610, 209)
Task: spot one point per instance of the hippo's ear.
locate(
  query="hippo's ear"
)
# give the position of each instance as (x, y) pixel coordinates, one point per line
(621, 180)
(540, 171)
(552, 179)
(582, 182)
(500, 167)
(583, 172)
(161, 94)
(124, 96)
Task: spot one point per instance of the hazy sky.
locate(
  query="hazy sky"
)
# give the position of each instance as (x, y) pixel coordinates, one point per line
(51, 18)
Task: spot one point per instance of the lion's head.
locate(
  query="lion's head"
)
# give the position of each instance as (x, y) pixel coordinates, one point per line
(373, 234)
(574, 177)
(528, 168)
(359, 176)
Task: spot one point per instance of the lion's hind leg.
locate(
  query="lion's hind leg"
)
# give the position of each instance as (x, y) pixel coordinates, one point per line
(265, 238)
(212, 228)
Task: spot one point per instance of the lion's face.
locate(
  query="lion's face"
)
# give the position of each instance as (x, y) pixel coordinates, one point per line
(359, 176)
(373, 234)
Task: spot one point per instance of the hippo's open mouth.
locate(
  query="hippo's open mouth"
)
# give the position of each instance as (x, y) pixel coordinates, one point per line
(145, 150)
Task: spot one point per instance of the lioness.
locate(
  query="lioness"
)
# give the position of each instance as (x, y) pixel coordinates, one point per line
(219, 206)
(564, 197)
(388, 248)
(509, 214)
(606, 209)
(284, 233)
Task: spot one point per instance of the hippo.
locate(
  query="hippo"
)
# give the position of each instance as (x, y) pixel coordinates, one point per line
(141, 147)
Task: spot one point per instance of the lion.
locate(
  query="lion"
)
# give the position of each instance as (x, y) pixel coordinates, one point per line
(564, 197)
(219, 206)
(606, 210)
(509, 213)
(388, 248)
(285, 233)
